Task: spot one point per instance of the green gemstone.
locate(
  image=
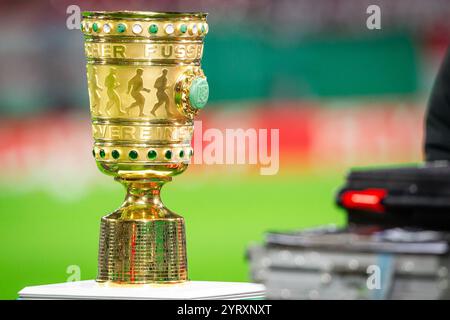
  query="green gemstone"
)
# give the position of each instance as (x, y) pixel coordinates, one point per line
(81, 26)
(203, 28)
(181, 154)
(153, 28)
(199, 93)
(133, 154)
(121, 28)
(102, 153)
(183, 28)
(115, 154)
(151, 154)
(95, 27)
(168, 154)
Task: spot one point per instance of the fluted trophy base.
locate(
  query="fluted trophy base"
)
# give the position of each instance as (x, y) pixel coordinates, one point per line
(142, 242)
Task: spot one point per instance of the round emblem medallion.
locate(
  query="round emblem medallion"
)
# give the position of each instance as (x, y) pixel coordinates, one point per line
(199, 93)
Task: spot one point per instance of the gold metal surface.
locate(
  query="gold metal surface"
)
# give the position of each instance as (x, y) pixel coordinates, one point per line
(141, 67)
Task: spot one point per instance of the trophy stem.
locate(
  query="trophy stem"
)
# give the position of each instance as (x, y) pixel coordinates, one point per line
(142, 241)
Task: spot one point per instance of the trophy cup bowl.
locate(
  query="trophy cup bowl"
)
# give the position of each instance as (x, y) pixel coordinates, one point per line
(145, 86)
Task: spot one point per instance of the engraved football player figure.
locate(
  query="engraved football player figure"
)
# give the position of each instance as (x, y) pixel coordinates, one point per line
(163, 98)
(95, 88)
(135, 86)
(112, 84)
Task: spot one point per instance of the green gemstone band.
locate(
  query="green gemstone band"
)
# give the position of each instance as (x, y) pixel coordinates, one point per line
(114, 153)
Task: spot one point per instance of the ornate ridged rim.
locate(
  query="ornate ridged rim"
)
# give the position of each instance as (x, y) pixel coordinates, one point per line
(140, 15)
(144, 25)
(142, 153)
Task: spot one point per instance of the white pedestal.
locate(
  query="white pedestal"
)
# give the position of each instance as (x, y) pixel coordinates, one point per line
(90, 289)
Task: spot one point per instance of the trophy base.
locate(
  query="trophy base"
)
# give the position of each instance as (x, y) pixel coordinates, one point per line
(196, 290)
(142, 251)
(142, 241)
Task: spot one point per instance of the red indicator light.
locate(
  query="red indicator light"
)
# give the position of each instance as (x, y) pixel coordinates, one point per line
(368, 199)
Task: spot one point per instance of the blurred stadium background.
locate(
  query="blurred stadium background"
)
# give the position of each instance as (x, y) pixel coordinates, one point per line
(341, 95)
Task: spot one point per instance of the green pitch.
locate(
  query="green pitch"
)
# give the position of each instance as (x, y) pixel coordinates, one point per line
(42, 236)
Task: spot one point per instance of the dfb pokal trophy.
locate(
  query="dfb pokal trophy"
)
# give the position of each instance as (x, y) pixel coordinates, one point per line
(145, 87)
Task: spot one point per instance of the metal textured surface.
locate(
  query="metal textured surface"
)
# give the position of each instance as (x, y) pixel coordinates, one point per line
(142, 251)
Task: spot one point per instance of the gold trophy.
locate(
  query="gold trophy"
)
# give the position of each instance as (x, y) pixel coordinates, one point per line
(145, 88)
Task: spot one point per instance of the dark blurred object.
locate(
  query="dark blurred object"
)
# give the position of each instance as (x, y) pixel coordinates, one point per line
(333, 263)
(437, 128)
(395, 197)
(379, 255)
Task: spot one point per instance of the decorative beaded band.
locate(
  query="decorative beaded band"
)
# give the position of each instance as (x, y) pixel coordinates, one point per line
(156, 154)
(144, 25)
(144, 29)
